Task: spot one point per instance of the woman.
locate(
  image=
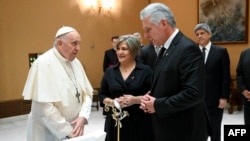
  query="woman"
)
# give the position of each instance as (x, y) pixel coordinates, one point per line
(126, 83)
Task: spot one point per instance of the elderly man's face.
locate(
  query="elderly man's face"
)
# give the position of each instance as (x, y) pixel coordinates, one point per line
(203, 37)
(154, 33)
(70, 45)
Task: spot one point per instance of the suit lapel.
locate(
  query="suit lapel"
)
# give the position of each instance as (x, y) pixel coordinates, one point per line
(166, 55)
(210, 55)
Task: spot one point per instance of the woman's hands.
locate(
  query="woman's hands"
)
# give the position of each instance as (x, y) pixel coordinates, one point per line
(128, 100)
(124, 101)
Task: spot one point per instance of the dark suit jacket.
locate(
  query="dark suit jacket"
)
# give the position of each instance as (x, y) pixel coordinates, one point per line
(178, 85)
(217, 70)
(243, 72)
(147, 55)
(110, 59)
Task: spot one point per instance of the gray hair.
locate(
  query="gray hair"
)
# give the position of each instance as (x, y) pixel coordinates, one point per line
(156, 12)
(61, 37)
(203, 26)
(133, 43)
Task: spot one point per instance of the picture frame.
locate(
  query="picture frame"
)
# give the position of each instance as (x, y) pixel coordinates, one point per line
(228, 19)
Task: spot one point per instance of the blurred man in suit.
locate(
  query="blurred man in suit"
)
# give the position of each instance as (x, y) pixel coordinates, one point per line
(148, 55)
(177, 91)
(243, 80)
(110, 57)
(139, 37)
(217, 70)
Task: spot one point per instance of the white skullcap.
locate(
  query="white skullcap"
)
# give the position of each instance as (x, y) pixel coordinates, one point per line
(64, 30)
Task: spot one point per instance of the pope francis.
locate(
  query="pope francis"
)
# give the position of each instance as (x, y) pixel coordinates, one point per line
(60, 91)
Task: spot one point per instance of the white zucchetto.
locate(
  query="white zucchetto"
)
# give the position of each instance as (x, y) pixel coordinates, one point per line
(64, 30)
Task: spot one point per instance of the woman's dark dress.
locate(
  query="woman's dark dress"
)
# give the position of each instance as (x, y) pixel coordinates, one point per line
(138, 126)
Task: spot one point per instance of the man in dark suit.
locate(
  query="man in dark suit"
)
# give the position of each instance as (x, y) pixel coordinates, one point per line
(138, 35)
(243, 80)
(176, 98)
(110, 57)
(148, 55)
(217, 70)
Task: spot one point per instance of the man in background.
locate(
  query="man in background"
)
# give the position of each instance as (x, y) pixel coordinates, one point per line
(243, 80)
(148, 55)
(110, 57)
(139, 37)
(217, 71)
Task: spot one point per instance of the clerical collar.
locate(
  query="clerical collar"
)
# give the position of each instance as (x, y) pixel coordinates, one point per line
(59, 56)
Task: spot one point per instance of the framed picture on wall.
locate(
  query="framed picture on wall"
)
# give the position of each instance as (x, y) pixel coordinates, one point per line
(228, 19)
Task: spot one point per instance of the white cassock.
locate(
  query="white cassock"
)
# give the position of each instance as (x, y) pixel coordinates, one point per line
(52, 90)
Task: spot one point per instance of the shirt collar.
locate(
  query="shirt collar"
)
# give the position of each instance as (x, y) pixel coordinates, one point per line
(170, 39)
(208, 46)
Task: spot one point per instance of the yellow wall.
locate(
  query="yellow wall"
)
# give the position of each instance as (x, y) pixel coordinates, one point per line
(30, 26)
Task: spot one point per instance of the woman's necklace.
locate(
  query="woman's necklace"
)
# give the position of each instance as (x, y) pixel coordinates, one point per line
(127, 68)
(125, 71)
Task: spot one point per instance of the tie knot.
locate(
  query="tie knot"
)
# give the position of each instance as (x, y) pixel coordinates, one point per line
(162, 51)
(203, 48)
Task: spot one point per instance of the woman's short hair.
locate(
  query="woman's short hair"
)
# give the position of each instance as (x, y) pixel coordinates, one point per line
(132, 42)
